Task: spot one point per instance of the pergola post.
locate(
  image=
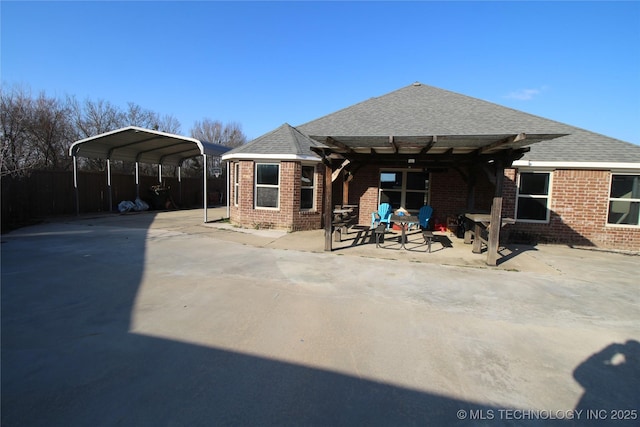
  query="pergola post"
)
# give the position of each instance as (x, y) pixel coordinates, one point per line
(496, 218)
(345, 191)
(328, 211)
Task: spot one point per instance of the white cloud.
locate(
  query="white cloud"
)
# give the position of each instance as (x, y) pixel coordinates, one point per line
(525, 94)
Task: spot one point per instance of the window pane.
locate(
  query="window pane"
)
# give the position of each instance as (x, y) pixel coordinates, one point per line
(622, 212)
(417, 181)
(307, 176)
(391, 180)
(267, 174)
(267, 197)
(306, 198)
(391, 197)
(625, 187)
(535, 209)
(534, 183)
(415, 200)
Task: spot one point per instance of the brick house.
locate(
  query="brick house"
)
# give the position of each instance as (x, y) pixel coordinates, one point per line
(423, 145)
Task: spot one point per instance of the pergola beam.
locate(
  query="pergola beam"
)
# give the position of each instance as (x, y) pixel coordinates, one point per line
(504, 141)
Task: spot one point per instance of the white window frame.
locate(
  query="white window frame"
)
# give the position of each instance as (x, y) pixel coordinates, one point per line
(534, 196)
(630, 200)
(236, 183)
(403, 190)
(256, 186)
(312, 187)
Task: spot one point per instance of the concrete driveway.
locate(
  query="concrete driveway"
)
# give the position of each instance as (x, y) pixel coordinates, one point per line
(157, 320)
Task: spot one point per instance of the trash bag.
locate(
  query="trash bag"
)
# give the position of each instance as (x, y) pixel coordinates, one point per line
(126, 206)
(141, 205)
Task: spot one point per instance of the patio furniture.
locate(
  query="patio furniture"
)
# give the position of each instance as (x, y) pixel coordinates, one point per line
(404, 221)
(482, 223)
(344, 217)
(428, 238)
(379, 232)
(424, 215)
(383, 215)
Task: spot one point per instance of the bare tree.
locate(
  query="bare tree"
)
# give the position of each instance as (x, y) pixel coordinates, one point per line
(37, 132)
(16, 155)
(229, 135)
(92, 118)
(50, 132)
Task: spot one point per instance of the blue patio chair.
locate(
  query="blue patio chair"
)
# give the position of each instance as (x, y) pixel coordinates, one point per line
(424, 215)
(383, 215)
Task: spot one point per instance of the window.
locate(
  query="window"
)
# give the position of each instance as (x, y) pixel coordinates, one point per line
(307, 187)
(236, 183)
(532, 204)
(267, 185)
(624, 200)
(408, 189)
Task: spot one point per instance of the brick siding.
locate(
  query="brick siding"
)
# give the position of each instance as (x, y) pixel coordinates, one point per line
(579, 204)
(288, 216)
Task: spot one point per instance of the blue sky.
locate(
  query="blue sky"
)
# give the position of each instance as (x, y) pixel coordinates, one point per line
(262, 64)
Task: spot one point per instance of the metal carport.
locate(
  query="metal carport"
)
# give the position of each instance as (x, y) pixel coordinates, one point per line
(140, 145)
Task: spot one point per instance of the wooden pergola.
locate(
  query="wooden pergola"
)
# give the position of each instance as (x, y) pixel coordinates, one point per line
(467, 154)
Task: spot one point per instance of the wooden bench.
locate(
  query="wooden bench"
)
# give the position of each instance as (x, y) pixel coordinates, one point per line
(379, 231)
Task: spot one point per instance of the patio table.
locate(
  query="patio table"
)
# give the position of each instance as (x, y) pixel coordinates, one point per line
(481, 221)
(404, 220)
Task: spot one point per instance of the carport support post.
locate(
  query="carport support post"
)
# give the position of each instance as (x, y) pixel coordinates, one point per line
(328, 211)
(204, 186)
(228, 189)
(137, 179)
(180, 183)
(109, 185)
(75, 184)
(496, 218)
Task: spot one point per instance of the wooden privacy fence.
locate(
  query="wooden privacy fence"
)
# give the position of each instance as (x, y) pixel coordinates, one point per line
(51, 193)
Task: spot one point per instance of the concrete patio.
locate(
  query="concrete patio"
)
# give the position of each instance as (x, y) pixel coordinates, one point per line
(157, 319)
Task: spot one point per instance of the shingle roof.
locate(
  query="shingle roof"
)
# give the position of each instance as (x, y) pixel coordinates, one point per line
(283, 142)
(425, 110)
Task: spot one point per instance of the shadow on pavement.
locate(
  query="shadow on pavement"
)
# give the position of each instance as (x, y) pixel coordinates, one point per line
(69, 359)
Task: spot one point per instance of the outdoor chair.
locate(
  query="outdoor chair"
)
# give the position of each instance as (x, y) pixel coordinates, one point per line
(424, 215)
(383, 215)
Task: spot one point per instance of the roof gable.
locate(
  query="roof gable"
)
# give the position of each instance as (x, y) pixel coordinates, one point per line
(281, 143)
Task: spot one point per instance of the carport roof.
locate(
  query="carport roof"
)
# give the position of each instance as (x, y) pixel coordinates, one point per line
(135, 144)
